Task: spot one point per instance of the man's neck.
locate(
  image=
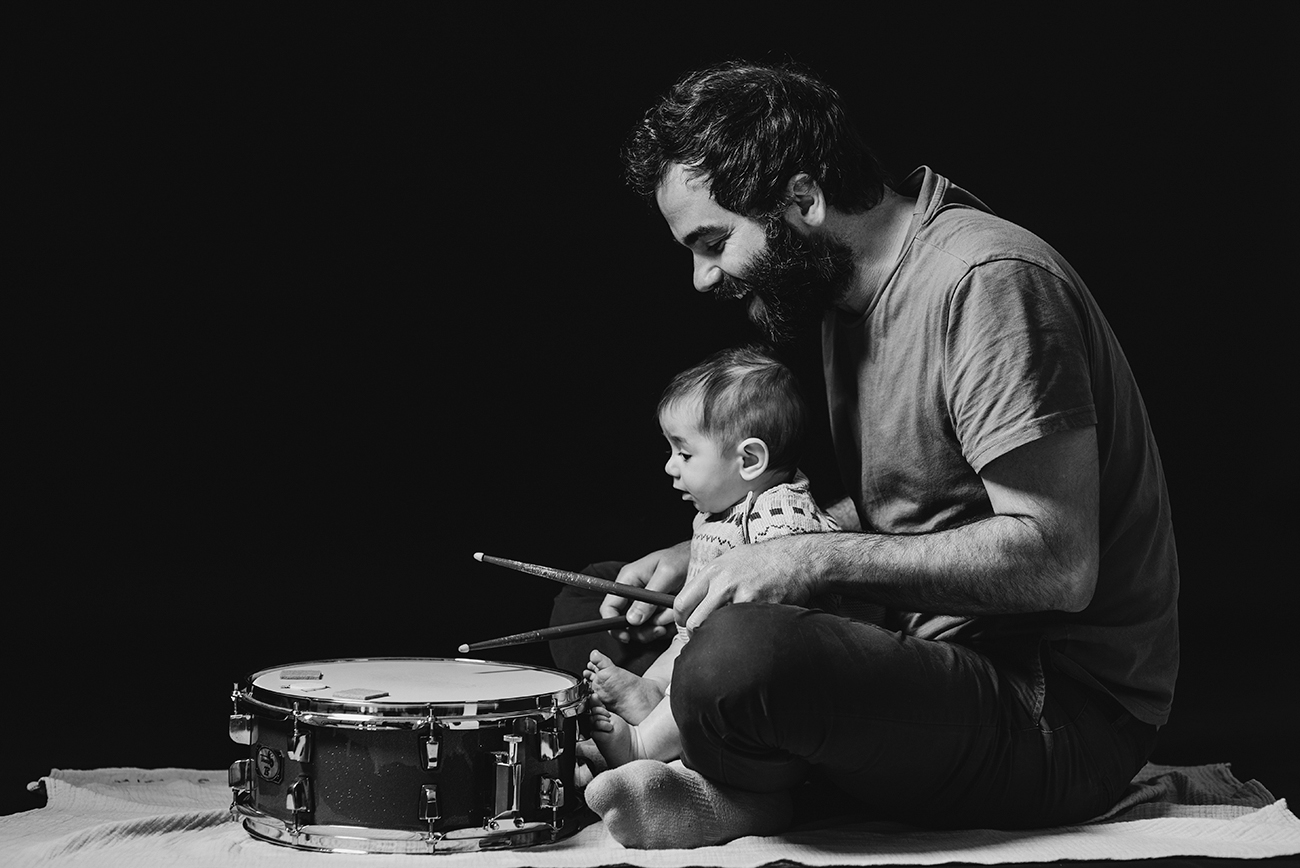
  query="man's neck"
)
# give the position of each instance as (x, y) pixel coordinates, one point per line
(876, 238)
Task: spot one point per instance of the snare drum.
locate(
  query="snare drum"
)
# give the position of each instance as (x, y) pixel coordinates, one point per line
(409, 755)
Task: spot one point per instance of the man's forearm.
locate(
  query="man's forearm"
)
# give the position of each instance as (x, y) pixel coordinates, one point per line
(999, 565)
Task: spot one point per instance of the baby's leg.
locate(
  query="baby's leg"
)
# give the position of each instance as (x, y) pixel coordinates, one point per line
(629, 696)
(655, 738)
(614, 736)
(661, 670)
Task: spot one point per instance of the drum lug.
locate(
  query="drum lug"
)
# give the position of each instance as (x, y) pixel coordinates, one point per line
(510, 772)
(298, 800)
(429, 747)
(243, 729)
(550, 744)
(429, 803)
(552, 793)
(300, 741)
(300, 747)
(240, 778)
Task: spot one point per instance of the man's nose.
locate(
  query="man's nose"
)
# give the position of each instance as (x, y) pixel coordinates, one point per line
(707, 275)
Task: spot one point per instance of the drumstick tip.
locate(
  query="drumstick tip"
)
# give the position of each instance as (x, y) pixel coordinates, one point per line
(478, 556)
(463, 649)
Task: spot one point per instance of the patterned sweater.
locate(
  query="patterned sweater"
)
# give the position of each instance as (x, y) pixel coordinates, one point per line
(782, 510)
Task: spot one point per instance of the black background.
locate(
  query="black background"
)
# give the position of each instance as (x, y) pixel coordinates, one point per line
(313, 303)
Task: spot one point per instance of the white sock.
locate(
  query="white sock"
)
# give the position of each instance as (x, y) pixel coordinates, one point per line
(650, 805)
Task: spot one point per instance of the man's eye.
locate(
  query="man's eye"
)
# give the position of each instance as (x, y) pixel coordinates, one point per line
(716, 246)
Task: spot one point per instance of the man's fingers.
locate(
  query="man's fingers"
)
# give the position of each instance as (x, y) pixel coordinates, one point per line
(639, 612)
(699, 613)
(613, 606)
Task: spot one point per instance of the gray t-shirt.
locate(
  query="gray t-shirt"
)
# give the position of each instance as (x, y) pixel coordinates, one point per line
(982, 340)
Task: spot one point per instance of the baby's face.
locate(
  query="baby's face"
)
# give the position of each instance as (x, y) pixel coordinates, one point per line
(706, 475)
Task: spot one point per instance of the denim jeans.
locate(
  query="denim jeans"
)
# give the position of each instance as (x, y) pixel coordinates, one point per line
(769, 697)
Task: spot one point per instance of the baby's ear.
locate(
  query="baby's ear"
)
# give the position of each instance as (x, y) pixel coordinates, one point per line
(753, 458)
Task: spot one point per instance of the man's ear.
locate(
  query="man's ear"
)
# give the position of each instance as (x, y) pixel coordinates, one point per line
(753, 456)
(807, 201)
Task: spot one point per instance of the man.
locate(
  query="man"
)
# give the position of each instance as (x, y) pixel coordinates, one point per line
(1006, 502)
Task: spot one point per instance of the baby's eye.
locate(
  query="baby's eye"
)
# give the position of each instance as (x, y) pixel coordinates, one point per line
(685, 456)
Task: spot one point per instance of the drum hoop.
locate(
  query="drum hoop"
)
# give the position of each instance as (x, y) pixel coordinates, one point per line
(366, 715)
(363, 840)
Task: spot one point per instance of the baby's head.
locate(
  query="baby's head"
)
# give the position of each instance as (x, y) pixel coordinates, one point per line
(735, 424)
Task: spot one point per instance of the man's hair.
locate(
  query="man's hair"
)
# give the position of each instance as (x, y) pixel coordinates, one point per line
(748, 129)
(744, 392)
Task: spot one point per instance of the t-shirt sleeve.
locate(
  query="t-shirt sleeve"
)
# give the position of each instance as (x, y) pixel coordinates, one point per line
(1016, 360)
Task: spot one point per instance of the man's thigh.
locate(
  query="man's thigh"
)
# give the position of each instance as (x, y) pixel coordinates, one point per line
(931, 732)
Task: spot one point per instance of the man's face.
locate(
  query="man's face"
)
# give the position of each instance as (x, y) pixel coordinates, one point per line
(785, 279)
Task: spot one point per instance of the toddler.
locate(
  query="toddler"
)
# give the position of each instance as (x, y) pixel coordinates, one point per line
(734, 425)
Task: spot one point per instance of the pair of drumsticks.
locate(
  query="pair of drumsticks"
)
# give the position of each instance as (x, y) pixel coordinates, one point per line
(579, 580)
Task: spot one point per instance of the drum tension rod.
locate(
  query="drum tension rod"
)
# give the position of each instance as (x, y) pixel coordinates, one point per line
(430, 744)
(299, 742)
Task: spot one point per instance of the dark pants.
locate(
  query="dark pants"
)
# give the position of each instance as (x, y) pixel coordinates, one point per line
(927, 732)
(932, 733)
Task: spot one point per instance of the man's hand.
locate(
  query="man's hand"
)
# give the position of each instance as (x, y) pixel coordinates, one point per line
(776, 571)
(663, 570)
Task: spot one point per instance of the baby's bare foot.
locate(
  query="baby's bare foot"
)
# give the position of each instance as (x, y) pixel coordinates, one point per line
(613, 736)
(629, 696)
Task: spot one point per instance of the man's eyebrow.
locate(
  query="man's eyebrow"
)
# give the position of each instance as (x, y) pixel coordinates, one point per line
(698, 232)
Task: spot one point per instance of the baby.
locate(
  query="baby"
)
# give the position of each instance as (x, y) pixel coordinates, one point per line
(734, 424)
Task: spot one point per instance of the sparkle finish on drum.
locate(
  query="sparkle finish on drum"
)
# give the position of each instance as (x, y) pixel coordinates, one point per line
(407, 755)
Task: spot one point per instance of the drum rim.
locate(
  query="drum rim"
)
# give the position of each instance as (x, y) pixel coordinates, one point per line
(376, 839)
(327, 706)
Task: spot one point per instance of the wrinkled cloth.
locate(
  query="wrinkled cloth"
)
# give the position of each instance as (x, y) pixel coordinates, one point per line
(140, 818)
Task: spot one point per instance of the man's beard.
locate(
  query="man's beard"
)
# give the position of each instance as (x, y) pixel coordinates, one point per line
(791, 282)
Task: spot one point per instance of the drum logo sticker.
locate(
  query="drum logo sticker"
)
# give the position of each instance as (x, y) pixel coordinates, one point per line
(270, 764)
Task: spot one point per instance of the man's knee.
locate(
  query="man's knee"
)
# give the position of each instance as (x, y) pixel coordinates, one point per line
(740, 650)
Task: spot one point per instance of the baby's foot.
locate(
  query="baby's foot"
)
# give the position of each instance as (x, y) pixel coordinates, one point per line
(613, 736)
(627, 695)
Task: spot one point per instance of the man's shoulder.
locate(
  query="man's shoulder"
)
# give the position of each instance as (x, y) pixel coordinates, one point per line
(971, 238)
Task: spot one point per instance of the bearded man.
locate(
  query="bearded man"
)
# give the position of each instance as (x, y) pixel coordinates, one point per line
(1006, 502)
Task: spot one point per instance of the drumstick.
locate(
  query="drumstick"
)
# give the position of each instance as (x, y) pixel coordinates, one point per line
(547, 633)
(591, 583)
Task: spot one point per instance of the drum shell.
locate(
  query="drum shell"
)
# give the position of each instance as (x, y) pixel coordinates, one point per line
(374, 778)
(323, 772)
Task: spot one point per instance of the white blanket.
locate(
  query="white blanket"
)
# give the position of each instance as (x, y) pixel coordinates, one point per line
(138, 818)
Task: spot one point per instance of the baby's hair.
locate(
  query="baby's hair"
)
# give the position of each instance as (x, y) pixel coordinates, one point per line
(744, 392)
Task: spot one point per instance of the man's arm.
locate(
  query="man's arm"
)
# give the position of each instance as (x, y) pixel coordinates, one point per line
(1038, 552)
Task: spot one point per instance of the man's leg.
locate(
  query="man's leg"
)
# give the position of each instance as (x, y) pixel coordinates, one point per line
(650, 805)
(926, 732)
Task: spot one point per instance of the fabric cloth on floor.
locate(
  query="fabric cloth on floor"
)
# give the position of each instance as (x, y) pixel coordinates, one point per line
(140, 818)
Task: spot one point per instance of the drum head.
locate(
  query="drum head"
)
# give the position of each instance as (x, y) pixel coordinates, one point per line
(412, 685)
